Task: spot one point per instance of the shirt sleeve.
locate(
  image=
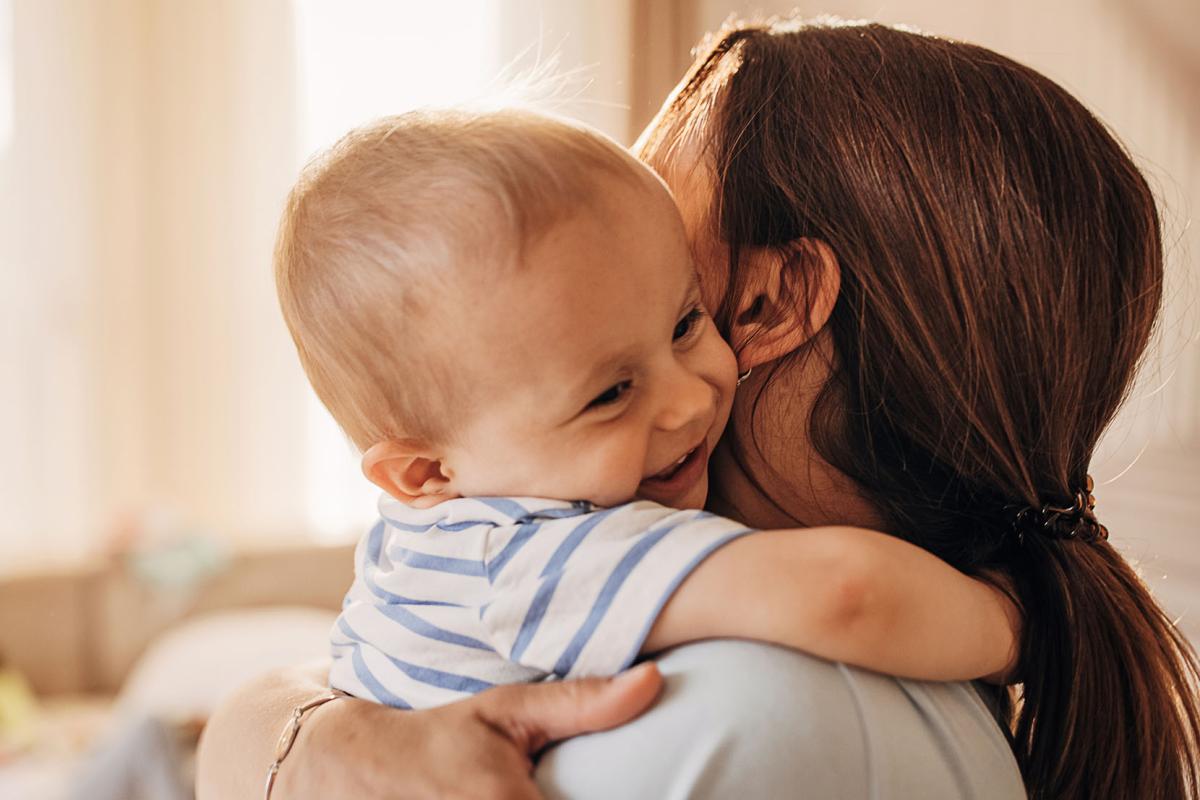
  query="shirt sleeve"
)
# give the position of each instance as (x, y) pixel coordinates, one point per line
(577, 596)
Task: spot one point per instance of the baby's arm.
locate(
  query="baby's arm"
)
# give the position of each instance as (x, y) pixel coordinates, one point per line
(846, 594)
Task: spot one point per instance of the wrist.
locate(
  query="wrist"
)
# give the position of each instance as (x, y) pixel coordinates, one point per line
(300, 766)
(341, 752)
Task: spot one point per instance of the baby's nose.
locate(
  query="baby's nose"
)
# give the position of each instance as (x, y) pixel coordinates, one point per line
(686, 400)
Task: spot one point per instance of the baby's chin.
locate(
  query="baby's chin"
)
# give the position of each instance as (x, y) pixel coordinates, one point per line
(698, 496)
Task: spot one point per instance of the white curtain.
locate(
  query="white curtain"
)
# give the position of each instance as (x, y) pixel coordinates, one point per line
(153, 142)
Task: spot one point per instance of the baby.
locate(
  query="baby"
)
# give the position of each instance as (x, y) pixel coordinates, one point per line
(501, 311)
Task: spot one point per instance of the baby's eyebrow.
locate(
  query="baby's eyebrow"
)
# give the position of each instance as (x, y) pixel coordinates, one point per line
(610, 365)
(578, 389)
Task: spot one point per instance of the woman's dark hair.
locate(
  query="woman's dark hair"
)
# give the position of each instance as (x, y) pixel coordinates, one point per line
(1001, 273)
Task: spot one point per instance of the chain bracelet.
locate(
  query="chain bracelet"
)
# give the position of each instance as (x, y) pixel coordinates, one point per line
(288, 737)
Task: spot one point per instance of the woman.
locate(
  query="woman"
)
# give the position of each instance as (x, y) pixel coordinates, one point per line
(997, 269)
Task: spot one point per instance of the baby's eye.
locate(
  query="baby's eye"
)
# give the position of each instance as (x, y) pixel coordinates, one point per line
(687, 325)
(610, 395)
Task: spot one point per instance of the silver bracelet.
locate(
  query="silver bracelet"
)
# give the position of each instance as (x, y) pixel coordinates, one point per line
(288, 738)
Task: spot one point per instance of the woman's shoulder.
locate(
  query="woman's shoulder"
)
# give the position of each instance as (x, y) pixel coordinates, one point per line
(748, 719)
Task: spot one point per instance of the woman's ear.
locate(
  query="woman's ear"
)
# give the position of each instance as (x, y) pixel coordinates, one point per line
(788, 303)
(409, 471)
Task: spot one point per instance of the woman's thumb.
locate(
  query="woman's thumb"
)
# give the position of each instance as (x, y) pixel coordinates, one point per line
(533, 715)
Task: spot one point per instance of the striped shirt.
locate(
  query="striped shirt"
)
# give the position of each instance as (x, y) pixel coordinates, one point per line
(451, 600)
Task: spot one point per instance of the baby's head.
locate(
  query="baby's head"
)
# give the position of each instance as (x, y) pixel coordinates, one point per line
(503, 304)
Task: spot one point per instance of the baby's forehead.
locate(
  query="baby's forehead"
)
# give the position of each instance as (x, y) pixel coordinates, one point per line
(601, 286)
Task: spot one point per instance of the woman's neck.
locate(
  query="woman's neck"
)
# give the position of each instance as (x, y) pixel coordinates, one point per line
(736, 495)
(776, 478)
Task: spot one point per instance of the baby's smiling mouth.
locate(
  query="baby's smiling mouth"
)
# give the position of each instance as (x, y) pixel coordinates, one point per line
(677, 478)
(669, 472)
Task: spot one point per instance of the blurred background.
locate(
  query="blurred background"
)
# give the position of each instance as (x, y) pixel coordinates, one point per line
(177, 509)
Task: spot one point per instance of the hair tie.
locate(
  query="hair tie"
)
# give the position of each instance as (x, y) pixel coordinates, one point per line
(1075, 522)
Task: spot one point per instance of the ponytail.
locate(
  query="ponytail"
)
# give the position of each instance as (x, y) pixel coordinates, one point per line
(1108, 705)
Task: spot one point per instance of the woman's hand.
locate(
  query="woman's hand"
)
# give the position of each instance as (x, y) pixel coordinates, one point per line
(481, 747)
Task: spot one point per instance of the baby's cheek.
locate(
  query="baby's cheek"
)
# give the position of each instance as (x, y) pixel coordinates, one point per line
(614, 472)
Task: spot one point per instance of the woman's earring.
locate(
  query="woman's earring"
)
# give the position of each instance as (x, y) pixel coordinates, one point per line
(743, 376)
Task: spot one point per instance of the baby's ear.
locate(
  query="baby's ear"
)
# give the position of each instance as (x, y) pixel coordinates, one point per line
(409, 471)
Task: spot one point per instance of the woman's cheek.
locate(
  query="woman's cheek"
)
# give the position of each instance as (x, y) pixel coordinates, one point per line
(712, 270)
(713, 276)
(722, 363)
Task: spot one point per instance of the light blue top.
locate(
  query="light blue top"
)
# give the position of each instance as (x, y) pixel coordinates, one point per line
(745, 720)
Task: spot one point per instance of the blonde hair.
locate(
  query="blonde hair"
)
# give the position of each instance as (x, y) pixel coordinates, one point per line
(379, 226)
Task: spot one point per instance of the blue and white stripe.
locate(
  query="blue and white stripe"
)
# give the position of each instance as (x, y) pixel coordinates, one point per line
(474, 592)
